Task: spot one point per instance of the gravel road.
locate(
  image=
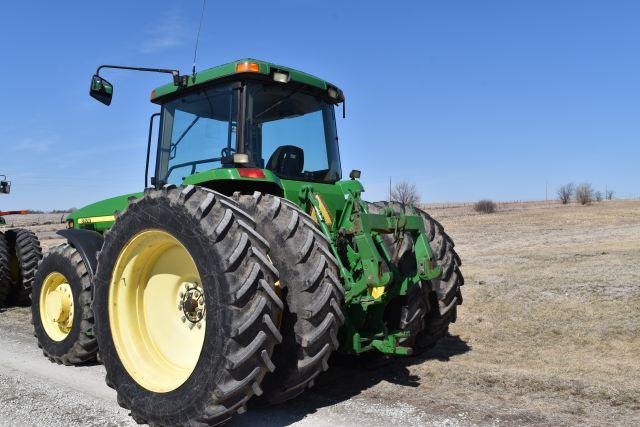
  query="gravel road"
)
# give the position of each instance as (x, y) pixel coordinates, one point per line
(34, 391)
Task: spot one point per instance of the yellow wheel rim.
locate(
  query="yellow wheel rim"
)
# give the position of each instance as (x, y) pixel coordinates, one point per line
(56, 306)
(157, 311)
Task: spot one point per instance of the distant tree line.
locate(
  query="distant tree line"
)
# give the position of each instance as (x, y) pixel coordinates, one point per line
(55, 211)
(406, 194)
(582, 193)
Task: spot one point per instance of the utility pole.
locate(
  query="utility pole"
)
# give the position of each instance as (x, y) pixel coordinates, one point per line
(546, 188)
(389, 189)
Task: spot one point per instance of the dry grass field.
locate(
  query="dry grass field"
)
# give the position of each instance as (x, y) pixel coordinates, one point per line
(552, 314)
(549, 333)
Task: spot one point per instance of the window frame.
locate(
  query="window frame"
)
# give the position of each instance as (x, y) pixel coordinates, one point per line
(165, 135)
(304, 89)
(240, 89)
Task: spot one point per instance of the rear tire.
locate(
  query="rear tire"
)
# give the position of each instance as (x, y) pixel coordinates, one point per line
(311, 289)
(441, 296)
(6, 285)
(241, 306)
(64, 345)
(26, 251)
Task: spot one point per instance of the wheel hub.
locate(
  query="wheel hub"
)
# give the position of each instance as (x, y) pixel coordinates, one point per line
(192, 304)
(56, 306)
(59, 304)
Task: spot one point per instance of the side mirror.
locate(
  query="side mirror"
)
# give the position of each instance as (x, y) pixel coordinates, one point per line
(355, 174)
(101, 89)
(5, 187)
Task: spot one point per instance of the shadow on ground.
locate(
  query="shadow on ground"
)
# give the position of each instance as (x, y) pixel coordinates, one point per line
(348, 377)
(12, 305)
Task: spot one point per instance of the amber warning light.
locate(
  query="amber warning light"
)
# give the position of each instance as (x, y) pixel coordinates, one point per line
(248, 67)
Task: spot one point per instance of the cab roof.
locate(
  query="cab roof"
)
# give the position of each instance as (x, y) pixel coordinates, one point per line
(246, 66)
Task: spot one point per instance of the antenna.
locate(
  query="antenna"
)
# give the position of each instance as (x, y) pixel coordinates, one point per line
(195, 51)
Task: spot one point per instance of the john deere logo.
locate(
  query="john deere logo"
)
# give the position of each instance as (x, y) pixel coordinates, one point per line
(93, 219)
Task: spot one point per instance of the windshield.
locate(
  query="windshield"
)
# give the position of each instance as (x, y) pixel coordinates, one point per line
(202, 128)
(287, 131)
(291, 133)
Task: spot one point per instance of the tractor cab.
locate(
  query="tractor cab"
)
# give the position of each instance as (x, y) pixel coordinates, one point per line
(5, 185)
(247, 119)
(249, 123)
(252, 116)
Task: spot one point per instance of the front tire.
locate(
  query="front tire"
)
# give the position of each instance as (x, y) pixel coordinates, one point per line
(61, 307)
(175, 259)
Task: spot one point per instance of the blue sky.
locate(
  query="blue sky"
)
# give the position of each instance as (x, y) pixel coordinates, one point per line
(469, 99)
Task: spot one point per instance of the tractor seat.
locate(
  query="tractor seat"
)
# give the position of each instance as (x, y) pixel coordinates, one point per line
(287, 160)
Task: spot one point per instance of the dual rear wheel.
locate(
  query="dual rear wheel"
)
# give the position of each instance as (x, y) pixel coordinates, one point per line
(188, 308)
(20, 254)
(26, 255)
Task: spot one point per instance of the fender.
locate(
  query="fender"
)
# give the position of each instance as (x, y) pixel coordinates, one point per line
(87, 242)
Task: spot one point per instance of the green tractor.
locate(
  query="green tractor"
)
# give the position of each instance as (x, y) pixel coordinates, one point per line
(20, 253)
(246, 262)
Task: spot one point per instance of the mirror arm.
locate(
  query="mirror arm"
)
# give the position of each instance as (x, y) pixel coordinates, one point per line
(178, 80)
